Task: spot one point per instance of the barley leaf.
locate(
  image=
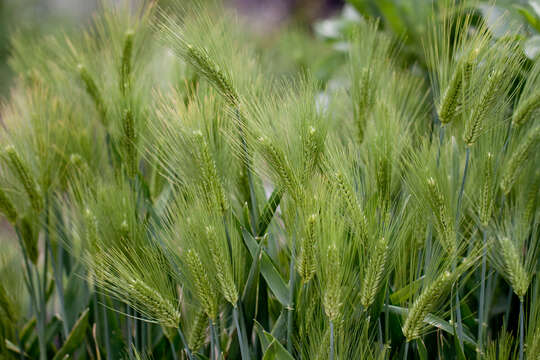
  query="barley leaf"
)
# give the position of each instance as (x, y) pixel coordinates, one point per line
(436, 322)
(268, 270)
(268, 211)
(75, 337)
(276, 351)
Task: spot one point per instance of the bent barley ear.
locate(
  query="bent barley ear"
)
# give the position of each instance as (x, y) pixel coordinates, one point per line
(511, 169)
(526, 109)
(24, 176)
(7, 207)
(517, 274)
(450, 98)
(205, 291)
(197, 336)
(94, 93)
(475, 123)
(306, 260)
(29, 239)
(428, 300)
(374, 273)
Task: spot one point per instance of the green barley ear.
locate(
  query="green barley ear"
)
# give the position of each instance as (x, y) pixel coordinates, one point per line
(224, 271)
(526, 109)
(24, 176)
(306, 262)
(511, 169)
(474, 125)
(450, 98)
(94, 93)
(346, 191)
(29, 239)
(197, 336)
(210, 178)
(7, 207)
(205, 292)
(312, 148)
(91, 227)
(374, 273)
(517, 274)
(442, 217)
(486, 195)
(364, 105)
(128, 125)
(201, 61)
(427, 302)
(533, 349)
(277, 158)
(162, 309)
(332, 296)
(6, 304)
(125, 71)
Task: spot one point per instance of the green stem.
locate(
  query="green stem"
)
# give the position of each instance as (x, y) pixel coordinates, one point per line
(241, 340)
(406, 352)
(291, 296)
(481, 305)
(106, 328)
(521, 328)
(460, 198)
(173, 349)
(215, 348)
(331, 340)
(185, 343)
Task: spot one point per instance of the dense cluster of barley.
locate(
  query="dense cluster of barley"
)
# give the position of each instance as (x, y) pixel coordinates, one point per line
(174, 194)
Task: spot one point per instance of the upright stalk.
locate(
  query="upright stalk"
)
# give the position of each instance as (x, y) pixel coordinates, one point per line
(406, 352)
(185, 343)
(331, 340)
(460, 198)
(215, 339)
(291, 296)
(481, 305)
(521, 328)
(242, 344)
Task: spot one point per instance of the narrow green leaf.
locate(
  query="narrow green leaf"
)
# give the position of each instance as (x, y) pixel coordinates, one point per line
(436, 322)
(276, 351)
(271, 275)
(422, 351)
(75, 337)
(529, 17)
(265, 342)
(268, 211)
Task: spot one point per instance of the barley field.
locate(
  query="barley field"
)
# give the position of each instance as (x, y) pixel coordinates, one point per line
(175, 185)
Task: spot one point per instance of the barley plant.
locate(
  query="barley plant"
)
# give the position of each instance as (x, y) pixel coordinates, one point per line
(172, 189)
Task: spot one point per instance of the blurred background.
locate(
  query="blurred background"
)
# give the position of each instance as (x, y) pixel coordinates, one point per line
(317, 30)
(48, 16)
